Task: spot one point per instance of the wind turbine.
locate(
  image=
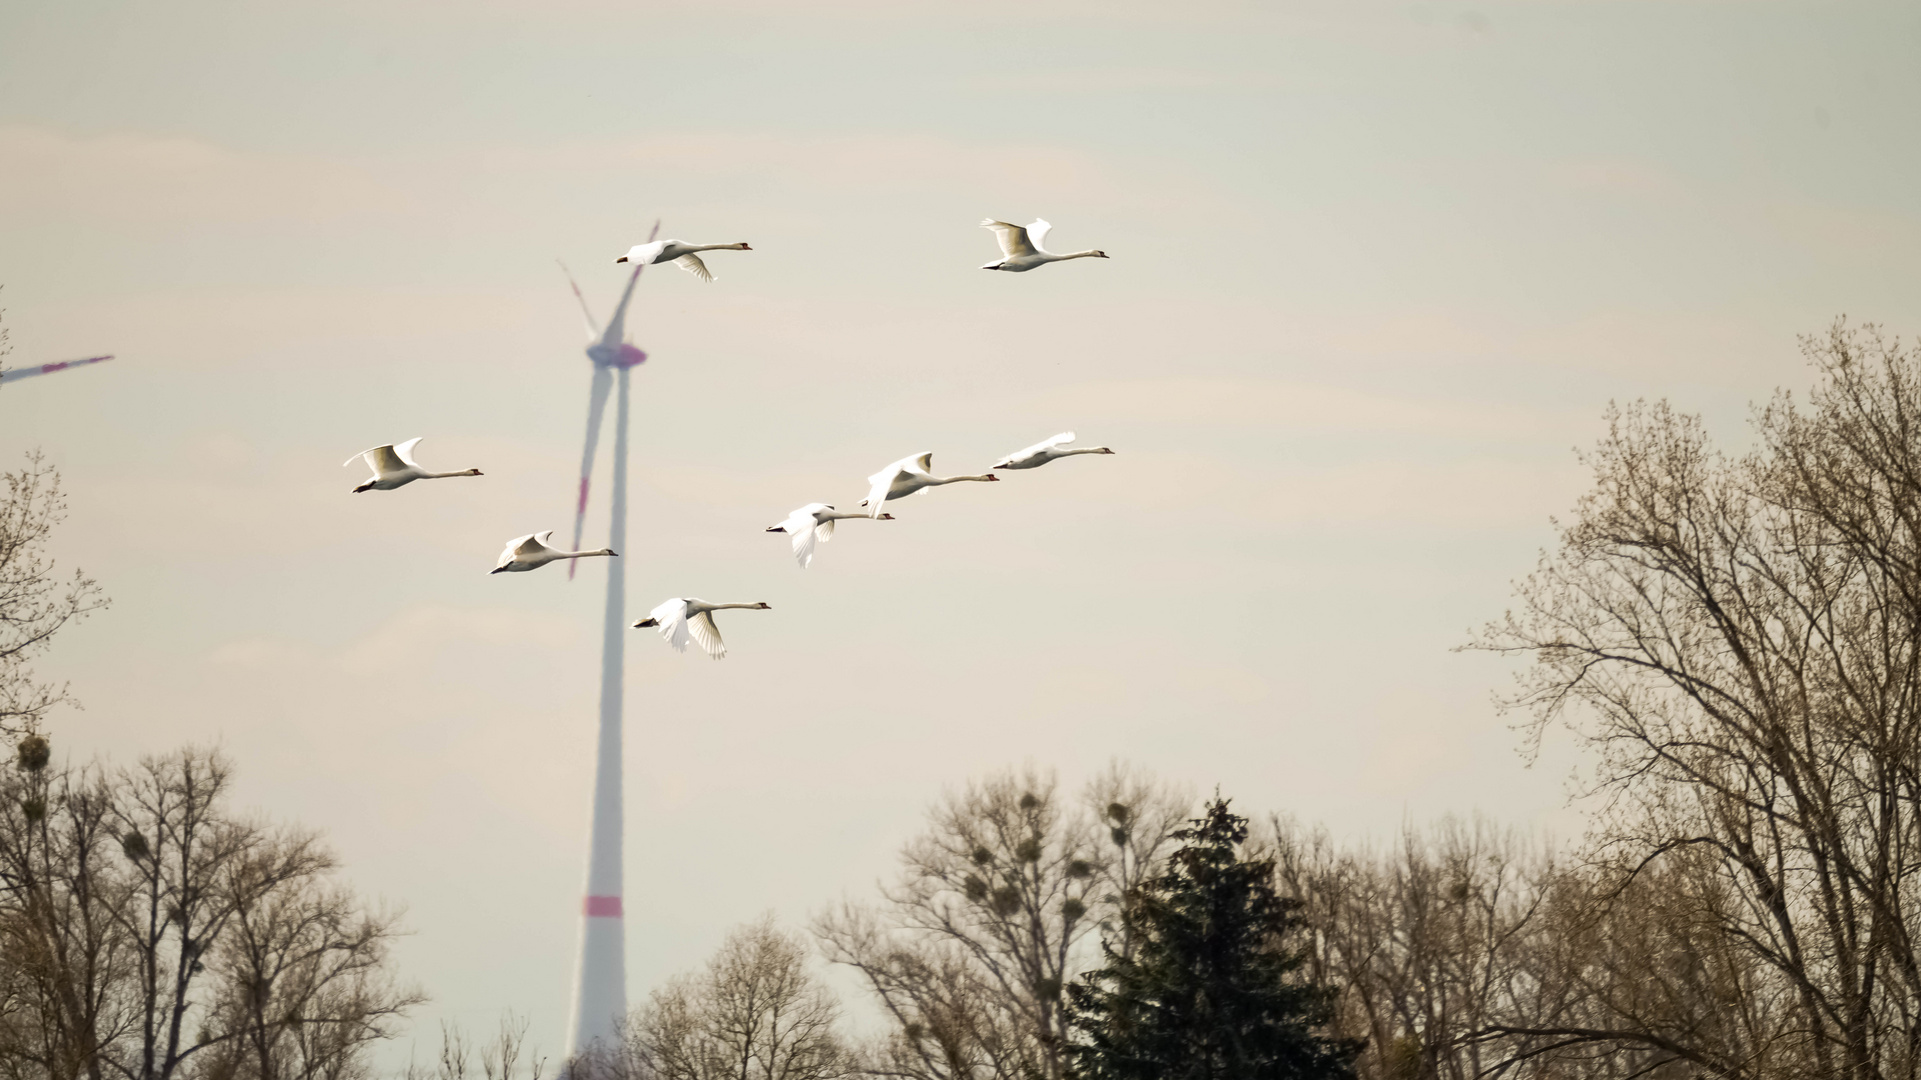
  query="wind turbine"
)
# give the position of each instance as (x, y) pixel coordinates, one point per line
(600, 995)
(47, 369)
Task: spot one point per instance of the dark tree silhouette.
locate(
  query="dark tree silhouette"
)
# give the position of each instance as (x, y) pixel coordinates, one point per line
(1213, 990)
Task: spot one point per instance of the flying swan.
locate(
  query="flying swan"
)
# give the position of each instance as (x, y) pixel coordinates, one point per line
(1021, 248)
(1043, 452)
(686, 616)
(679, 253)
(531, 552)
(394, 465)
(814, 523)
(906, 476)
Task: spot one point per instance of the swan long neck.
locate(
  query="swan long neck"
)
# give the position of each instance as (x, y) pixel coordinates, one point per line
(585, 554)
(957, 479)
(1082, 450)
(719, 247)
(445, 475)
(1090, 253)
(724, 607)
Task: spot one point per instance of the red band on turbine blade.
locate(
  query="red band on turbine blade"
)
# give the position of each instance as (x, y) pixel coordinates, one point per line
(583, 495)
(603, 907)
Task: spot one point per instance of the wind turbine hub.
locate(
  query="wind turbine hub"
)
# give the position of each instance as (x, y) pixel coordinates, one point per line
(616, 356)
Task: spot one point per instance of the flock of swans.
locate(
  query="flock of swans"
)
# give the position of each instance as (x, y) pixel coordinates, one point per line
(686, 618)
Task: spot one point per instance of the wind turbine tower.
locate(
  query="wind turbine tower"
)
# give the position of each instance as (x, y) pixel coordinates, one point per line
(600, 993)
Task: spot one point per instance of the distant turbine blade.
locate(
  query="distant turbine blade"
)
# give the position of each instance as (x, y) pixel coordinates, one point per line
(17, 374)
(617, 326)
(596, 408)
(592, 330)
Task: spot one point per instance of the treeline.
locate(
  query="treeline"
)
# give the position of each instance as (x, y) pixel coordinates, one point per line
(1736, 637)
(148, 932)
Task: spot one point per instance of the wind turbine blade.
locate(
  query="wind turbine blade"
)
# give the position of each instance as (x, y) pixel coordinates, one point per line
(596, 408)
(592, 330)
(617, 326)
(16, 374)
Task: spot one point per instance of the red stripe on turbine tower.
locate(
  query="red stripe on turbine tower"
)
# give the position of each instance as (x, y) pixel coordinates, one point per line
(603, 907)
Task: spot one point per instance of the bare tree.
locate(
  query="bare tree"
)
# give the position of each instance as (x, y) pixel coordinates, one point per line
(36, 602)
(993, 913)
(153, 934)
(1429, 942)
(1140, 815)
(498, 1059)
(755, 1012)
(62, 961)
(1740, 640)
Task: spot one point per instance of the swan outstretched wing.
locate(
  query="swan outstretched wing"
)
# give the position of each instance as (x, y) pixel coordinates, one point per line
(513, 549)
(1038, 449)
(405, 452)
(705, 632)
(804, 540)
(531, 544)
(691, 263)
(672, 616)
(1037, 234)
(882, 481)
(381, 459)
(825, 530)
(1013, 238)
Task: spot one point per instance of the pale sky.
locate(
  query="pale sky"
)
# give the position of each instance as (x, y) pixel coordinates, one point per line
(1376, 270)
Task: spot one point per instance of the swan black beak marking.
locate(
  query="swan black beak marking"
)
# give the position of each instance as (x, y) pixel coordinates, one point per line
(622, 259)
(497, 570)
(646, 622)
(775, 528)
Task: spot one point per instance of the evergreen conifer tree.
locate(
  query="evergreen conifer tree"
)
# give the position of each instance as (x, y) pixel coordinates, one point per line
(1213, 990)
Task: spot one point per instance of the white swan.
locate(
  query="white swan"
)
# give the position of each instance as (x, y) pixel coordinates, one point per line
(811, 523)
(680, 254)
(1043, 452)
(1021, 248)
(690, 615)
(394, 465)
(531, 552)
(906, 476)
